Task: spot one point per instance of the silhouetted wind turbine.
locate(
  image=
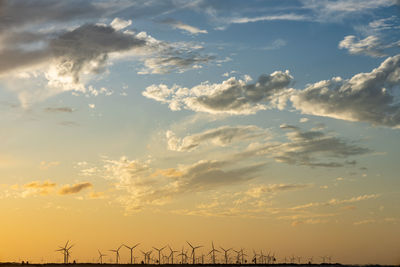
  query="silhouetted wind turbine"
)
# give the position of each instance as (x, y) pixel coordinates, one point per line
(255, 257)
(193, 249)
(101, 256)
(310, 260)
(172, 254)
(131, 249)
(116, 253)
(159, 253)
(182, 254)
(213, 250)
(226, 254)
(243, 255)
(237, 255)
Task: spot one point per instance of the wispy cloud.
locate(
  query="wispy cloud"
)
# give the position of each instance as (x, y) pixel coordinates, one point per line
(291, 16)
(182, 26)
(41, 188)
(221, 136)
(59, 110)
(75, 188)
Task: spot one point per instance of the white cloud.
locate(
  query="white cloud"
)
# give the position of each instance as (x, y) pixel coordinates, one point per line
(182, 26)
(371, 46)
(232, 96)
(119, 24)
(293, 17)
(365, 97)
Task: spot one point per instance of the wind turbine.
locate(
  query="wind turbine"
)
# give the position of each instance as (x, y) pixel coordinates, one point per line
(101, 256)
(183, 256)
(237, 255)
(193, 249)
(213, 252)
(116, 253)
(63, 250)
(147, 256)
(131, 249)
(243, 255)
(262, 257)
(159, 253)
(255, 256)
(226, 254)
(310, 260)
(172, 254)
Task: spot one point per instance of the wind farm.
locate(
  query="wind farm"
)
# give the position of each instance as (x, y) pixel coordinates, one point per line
(209, 259)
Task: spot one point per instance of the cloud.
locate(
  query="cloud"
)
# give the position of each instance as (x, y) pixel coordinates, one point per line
(221, 136)
(87, 47)
(366, 97)
(144, 186)
(292, 17)
(69, 48)
(232, 96)
(36, 187)
(59, 110)
(277, 44)
(182, 26)
(22, 13)
(258, 191)
(336, 11)
(44, 165)
(119, 24)
(370, 46)
(335, 202)
(74, 189)
(309, 148)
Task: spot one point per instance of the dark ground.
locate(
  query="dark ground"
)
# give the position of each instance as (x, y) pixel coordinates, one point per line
(180, 265)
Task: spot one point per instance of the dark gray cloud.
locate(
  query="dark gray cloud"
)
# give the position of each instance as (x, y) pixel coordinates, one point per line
(367, 97)
(230, 97)
(18, 13)
(309, 148)
(90, 43)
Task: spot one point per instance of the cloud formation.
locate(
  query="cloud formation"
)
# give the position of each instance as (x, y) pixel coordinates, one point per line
(221, 136)
(371, 45)
(311, 148)
(145, 186)
(366, 97)
(182, 26)
(42, 188)
(74, 189)
(234, 97)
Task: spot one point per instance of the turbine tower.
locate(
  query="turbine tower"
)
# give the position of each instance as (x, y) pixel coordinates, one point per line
(172, 254)
(116, 253)
(193, 250)
(101, 256)
(159, 253)
(65, 250)
(131, 249)
(226, 254)
(212, 252)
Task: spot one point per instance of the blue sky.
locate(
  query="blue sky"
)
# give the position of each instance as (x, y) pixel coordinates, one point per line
(283, 113)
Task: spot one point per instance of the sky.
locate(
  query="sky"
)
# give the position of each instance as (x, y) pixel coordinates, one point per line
(266, 125)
